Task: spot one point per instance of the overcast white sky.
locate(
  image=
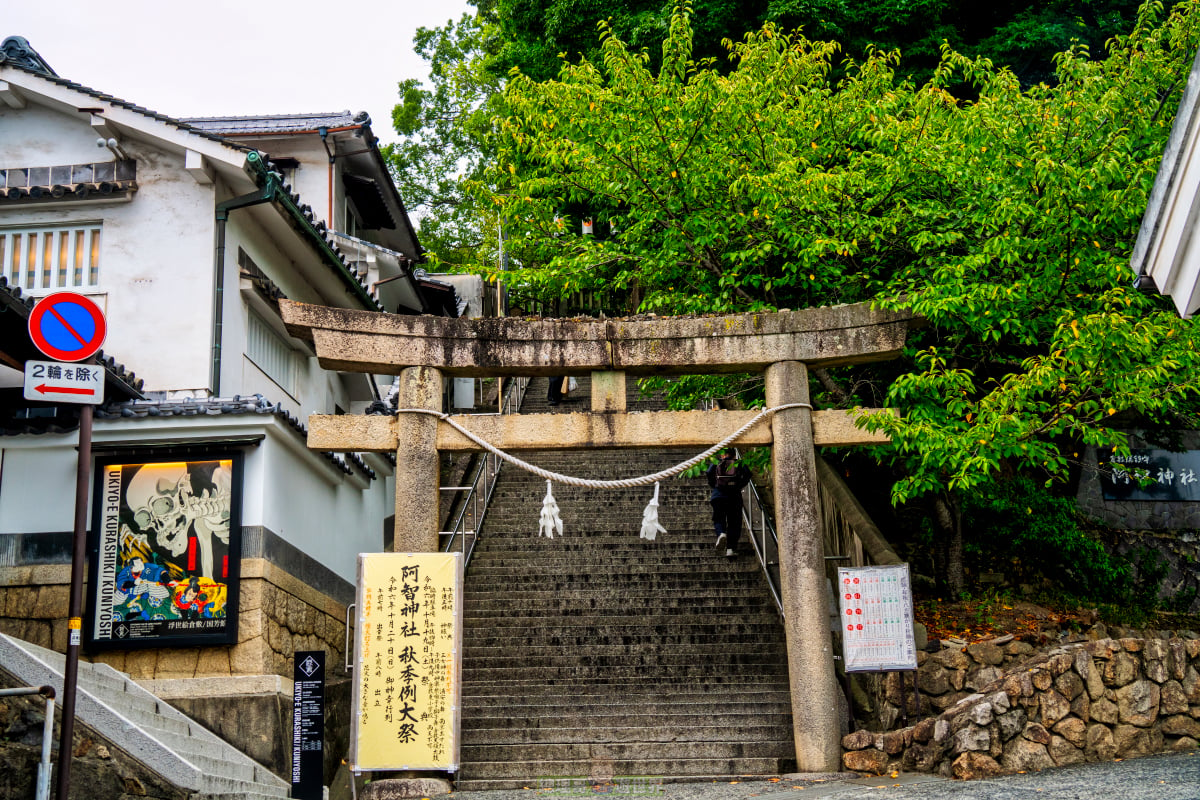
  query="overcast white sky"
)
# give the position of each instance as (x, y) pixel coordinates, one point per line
(192, 59)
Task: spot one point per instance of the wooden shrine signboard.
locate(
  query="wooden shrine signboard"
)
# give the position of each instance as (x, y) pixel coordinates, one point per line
(407, 657)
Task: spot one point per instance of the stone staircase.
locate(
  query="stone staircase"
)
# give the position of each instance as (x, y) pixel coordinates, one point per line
(600, 654)
(179, 749)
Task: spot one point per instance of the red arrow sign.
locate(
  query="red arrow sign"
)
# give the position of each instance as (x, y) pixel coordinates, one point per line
(44, 389)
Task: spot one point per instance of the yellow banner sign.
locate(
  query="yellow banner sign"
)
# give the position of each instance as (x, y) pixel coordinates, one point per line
(407, 662)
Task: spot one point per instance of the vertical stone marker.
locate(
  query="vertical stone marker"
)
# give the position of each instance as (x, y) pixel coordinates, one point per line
(815, 717)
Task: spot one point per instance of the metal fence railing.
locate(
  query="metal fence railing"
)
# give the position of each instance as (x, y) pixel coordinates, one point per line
(477, 492)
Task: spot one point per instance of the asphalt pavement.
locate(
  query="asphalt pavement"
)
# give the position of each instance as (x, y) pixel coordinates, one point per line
(1165, 777)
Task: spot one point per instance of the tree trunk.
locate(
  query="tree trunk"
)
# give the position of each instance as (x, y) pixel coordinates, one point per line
(948, 518)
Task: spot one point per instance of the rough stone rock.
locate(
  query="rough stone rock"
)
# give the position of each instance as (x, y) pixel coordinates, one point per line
(1176, 659)
(923, 730)
(984, 678)
(1192, 645)
(1036, 733)
(999, 701)
(944, 701)
(986, 653)
(893, 742)
(958, 679)
(1022, 755)
(1083, 662)
(1191, 685)
(1100, 745)
(1064, 753)
(922, 757)
(1132, 741)
(1074, 730)
(1120, 670)
(404, 788)
(1060, 663)
(933, 681)
(1011, 723)
(1181, 725)
(1095, 681)
(1018, 648)
(1097, 632)
(1173, 700)
(1104, 710)
(972, 766)
(951, 658)
(1053, 707)
(1133, 645)
(1069, 684)
(1155, 670)
(858, 740)
(872, 761)
(980, 713)
(1081, 707)
(941, 730)
(971, 737)
(1155, 649)
(1137, 703)
(1184, 743)
(1041, 679)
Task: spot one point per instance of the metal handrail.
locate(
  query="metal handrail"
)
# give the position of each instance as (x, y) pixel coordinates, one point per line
(42, 790)
(764, 539)
(479, 489)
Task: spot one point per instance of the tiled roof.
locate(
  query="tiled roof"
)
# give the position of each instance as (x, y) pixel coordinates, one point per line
(236, 405)
(278, 123)
(116, 101)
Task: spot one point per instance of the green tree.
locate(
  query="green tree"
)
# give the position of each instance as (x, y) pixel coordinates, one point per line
(1005, 221)
(445, 127)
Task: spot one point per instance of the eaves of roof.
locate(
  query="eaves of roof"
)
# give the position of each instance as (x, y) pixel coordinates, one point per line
(237, 405)
(116, 101)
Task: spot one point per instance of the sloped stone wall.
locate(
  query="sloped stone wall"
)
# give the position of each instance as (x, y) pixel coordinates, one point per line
(1090, 701)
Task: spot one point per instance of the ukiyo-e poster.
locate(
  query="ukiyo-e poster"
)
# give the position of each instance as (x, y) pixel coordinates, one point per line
(407, 662)
(165, 550)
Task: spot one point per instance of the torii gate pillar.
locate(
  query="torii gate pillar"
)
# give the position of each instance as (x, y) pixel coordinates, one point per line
(416, 524)
(805, 596)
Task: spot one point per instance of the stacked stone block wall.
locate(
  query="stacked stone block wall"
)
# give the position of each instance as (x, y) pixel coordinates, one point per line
(1090, 701)
(278, 615)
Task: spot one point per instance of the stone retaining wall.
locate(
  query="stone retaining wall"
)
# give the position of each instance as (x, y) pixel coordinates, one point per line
(1089, 701)
(278, 614)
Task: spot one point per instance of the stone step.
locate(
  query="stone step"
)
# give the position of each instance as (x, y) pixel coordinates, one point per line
(620, 698)
(521, 674)
(576, 775)
(148, 729)
(671, 726)
(478, 642)
(595, 731)
(630, 750)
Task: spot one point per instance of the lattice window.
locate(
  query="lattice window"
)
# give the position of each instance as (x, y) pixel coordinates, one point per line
(46, 259)
(271, 353)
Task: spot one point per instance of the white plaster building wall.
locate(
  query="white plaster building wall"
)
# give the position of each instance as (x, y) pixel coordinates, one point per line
(37, 484)
(318, 509)
(156, 250)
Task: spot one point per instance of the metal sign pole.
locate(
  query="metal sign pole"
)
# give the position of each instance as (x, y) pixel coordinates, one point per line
(75, 610)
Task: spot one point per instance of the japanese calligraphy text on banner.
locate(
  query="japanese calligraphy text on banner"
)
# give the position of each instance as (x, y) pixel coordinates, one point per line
(876, 618)
(407, 657)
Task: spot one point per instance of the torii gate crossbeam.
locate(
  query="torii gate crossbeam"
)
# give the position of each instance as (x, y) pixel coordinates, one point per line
(422, 350)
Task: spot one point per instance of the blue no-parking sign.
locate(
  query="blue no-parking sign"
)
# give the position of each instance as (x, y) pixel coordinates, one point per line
(67, 326)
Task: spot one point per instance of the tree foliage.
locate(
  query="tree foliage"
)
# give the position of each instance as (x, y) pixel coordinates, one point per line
(1005, 220)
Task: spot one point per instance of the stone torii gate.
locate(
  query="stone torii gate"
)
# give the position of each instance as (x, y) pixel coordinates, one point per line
(422, 350)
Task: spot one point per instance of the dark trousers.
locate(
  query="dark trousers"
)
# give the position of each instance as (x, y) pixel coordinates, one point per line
(727, 519)
(555, 395)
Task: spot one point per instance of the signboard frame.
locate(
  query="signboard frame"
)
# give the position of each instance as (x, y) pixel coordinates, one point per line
(59, 378)
(851, 605)
(308, 724)
(372, 566)
(166, 601)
